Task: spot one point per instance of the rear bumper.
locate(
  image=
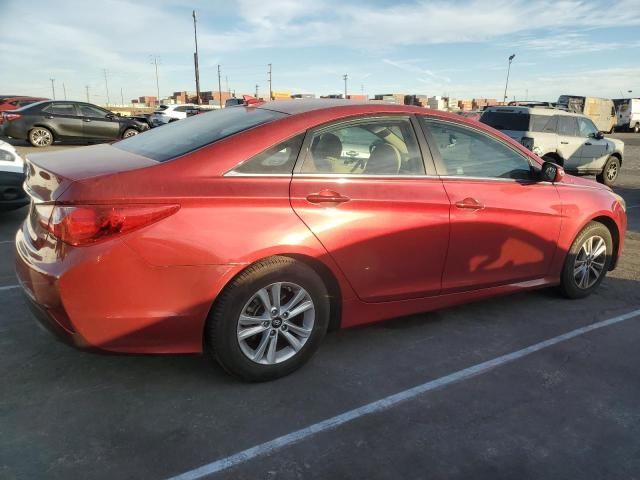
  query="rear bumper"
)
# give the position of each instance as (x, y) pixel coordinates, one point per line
(105, 297)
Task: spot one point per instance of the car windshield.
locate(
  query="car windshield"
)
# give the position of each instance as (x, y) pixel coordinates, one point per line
(523, 122)
(177, 138)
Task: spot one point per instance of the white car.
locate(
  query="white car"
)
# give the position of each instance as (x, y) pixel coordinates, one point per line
(568, 139)
(12, 195)
(170, 113)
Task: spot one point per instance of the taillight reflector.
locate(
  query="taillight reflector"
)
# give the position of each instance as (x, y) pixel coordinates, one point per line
(87, 224)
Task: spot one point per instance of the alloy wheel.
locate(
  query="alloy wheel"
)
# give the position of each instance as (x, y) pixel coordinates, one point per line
(612, 171)
(130, 133)
(590, 262)
(41, 137)
(275, 323)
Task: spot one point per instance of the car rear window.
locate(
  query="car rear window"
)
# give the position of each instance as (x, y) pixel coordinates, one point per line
(522, 122)
(177, 138)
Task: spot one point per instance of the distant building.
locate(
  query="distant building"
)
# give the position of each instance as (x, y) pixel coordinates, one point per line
(303, 95)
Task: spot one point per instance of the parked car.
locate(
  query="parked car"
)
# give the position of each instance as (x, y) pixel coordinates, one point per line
(171, 113)
(628, 114)
(233, 102)
(43, 123)
(12, 195)
(244, 234)
(471, 114)
(17, 101)
(567, 139)
(600, 110)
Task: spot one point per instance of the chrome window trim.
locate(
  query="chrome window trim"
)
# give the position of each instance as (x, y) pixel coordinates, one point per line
(359, 175)
(233, 173)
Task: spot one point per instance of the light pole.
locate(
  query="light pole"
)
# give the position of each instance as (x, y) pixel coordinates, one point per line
(195, 58)
(53, 88)
(511, 57)
(345, 77)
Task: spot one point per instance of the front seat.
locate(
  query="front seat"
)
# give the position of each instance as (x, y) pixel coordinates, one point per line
(324, 148)
(384, 160)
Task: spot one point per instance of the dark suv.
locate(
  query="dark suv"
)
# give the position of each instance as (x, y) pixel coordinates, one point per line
(42, 123)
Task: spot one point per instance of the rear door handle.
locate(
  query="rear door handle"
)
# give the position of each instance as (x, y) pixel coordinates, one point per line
(588, 143)
(564, 143)
(326, 196)
(49, 116)
(470, 204)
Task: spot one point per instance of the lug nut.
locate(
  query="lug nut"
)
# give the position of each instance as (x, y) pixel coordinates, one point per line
(284, 327)
(285, 315)
(265, 323)
(272, 332)
(274, 311)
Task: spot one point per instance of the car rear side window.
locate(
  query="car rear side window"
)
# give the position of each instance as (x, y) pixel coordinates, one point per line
(506, 120)
(61, 109)
(177, 138)
(466, 152)
(567, 126)
(276, 160)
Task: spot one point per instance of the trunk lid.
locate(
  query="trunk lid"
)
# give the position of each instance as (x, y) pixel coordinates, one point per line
(49, 174)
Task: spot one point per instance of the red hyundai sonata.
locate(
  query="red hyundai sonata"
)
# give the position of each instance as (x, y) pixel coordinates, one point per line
(250, 231)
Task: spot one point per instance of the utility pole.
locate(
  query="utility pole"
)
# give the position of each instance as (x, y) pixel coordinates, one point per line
(155, 60)
(256, 90)
(121, 96)
(511, 57)
(64, 90)
(345, 77)
(86, 87)
(106, 85)
(270, 89)
(226, 79)
(53, 88)
(219, 87)
(195, 57)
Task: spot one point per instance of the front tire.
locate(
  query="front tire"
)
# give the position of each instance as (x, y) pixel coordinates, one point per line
(636, 128)
(587, 262)
(269, 320)
(129, 132)
(40, 137)
(610, 172)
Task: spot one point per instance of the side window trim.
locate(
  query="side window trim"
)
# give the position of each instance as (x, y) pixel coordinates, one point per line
(439, 162)
(344, 123)
(234, 173)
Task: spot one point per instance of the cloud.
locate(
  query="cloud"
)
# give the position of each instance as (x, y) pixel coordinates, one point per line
(571, 43)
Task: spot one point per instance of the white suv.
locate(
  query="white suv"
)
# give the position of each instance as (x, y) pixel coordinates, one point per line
(568, 139)
(12, 195)
(171, 113)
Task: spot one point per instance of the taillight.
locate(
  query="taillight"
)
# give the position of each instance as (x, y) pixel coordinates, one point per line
(9, 117)
(87, 224)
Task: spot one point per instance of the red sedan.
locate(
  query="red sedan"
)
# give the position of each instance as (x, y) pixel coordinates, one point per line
(250, 231)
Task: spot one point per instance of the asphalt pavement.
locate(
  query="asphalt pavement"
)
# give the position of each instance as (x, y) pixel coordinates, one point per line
(568, 410)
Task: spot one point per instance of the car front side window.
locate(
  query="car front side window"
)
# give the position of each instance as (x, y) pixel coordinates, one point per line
(367, 147)
(587, 128)
(465, 152)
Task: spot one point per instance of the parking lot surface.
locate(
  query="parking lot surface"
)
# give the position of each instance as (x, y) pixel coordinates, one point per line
(566, 411)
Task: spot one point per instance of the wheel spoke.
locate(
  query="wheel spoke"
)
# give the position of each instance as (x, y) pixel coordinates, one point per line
(303, 307)
(250, 332)
(271, 352)
(596, 271)
(249, 320)
(300, 331)
(297, 298)
(275, 295)
(263, 295)
(264, 341)
(293, 341)
(584, 278)
(600, 249)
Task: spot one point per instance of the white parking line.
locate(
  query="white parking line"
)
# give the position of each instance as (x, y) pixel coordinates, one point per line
(7, 241)
(9, 287)
(388, 402)
(632, 206)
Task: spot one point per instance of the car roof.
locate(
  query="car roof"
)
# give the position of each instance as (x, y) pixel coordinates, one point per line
(548, 111)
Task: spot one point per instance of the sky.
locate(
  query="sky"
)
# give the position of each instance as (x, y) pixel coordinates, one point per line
(458, 48)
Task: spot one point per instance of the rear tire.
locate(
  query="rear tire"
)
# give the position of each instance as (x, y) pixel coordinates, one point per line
(258, 338)
(40, 137)
(586, 263)
(610, 172)
(636, 128)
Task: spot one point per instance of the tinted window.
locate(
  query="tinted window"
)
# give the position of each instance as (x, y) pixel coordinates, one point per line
(89, 111)
(567, 126)
(277, 159)
(586, 127)
(181, 109)
(468, 153)
(369, 147)
(506, 120)
(61, 109)
(178, 138)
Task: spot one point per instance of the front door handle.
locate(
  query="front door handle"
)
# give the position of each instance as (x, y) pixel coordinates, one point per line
(326, 196)
(86, 119)
(470, 204)
(588, 143)
(49, 116)
(564, 143)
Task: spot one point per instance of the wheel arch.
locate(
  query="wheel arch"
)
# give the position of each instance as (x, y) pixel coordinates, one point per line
(615, 234)
(618, 155)
(555, 155)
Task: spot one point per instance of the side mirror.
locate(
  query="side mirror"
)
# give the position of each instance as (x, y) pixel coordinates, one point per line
(551, 172)
(599, 135)
(109, 115)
